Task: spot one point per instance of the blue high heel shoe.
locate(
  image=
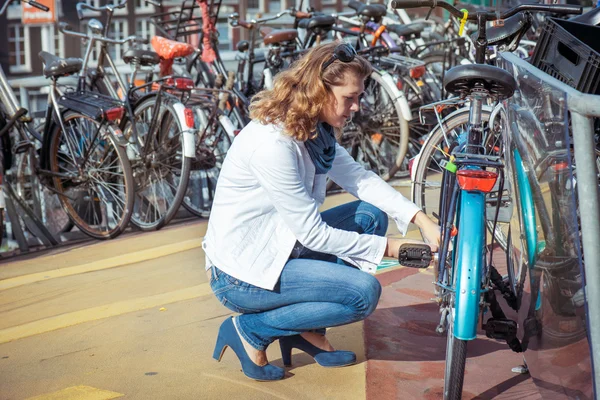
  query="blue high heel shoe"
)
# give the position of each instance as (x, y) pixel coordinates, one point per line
(228, 337)
(338, 358)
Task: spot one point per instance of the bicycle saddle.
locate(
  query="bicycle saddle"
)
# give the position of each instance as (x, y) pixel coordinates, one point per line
(274, 36)
(56, 66)
(319, 21)
(514, 27)
(408, 29)
(170, 49)
(466, 79)
(141, 57)
(375, 11)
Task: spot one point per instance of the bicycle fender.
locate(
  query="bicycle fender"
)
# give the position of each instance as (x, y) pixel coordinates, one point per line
(469, 264)
(527, 208)
(398, 95)
(189, 135)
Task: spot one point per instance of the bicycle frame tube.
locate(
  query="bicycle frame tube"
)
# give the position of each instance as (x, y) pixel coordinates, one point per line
(7, 96)
(469, 264)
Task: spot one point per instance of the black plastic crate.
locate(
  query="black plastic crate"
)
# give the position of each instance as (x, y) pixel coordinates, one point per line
(570, 52)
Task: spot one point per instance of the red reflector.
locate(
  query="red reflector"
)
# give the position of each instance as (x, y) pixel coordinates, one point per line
(417, 72)
(236, 132)
(560, 166)
(114, 114)
(189, 117)
(411, 162)
(184, 83)
(475, 179)
(399, 84)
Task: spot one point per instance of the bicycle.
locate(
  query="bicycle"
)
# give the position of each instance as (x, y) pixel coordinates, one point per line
(81, 155)
(160, 133)
(465, 281)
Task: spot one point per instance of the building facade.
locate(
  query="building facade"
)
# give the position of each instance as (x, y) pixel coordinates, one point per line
(23, 42)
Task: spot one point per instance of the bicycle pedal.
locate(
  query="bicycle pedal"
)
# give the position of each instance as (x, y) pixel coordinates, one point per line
(502, 329)
(415, 255)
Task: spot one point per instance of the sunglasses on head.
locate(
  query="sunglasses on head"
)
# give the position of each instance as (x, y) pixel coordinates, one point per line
(343, 52)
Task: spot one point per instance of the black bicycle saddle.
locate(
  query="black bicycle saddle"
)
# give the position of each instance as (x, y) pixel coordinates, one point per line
(56, 66)
(466, 79)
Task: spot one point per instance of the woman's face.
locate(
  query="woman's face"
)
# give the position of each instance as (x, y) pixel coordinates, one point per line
(344, 101)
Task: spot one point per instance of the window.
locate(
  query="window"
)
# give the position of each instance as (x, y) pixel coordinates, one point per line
(224, 35)
(118, 30)
(119, 11)
(144, 6)
(38, 99)
(275, 6)
(53, 41)
(14, 10)
(19, 58)
(145, 28)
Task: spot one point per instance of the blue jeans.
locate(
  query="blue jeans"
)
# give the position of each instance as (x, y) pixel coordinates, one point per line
(314, 291)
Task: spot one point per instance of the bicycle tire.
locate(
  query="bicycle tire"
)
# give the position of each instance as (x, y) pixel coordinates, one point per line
(44, 203)
(162, 174)
(381, 151)
(100, 210)
(211, 149)
(456, 357)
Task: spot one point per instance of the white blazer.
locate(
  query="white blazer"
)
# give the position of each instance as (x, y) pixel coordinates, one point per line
(268, 196)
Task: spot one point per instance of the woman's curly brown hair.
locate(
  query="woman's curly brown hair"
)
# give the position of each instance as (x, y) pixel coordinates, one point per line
(300, 92)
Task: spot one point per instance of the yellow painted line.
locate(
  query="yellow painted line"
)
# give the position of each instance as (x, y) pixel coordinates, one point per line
(112, 262)
(79, 393)
(100, 312)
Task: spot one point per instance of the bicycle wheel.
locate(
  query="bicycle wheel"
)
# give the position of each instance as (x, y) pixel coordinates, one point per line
(92, 176)
(38, 197)
(160, 169)
(381, 137)
(426, 180)
(212, 144)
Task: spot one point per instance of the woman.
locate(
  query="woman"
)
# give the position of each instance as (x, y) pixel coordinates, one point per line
(289, 270)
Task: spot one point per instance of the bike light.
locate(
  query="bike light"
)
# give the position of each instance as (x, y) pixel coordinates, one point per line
(115, 113)
(189, 117)
(476, 180)
(417, 72)
(184, 83)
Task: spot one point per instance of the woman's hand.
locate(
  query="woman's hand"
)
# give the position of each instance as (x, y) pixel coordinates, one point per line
(430, 230)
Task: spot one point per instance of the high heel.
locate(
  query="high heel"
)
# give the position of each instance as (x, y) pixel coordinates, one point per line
(229, 337)
(338, 358)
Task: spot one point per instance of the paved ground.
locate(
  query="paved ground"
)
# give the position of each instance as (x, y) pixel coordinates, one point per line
(135, 318)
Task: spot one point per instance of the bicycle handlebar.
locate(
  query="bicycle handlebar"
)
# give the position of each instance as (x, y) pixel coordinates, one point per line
(108, 7)
(30, 2)
(36, 5)
(489, 16)
(65, 28)
(235, 21)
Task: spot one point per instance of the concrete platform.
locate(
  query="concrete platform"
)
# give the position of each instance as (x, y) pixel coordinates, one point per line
(135, 318)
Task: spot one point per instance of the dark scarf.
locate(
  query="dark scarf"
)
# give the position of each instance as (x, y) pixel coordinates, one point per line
(322, 148)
